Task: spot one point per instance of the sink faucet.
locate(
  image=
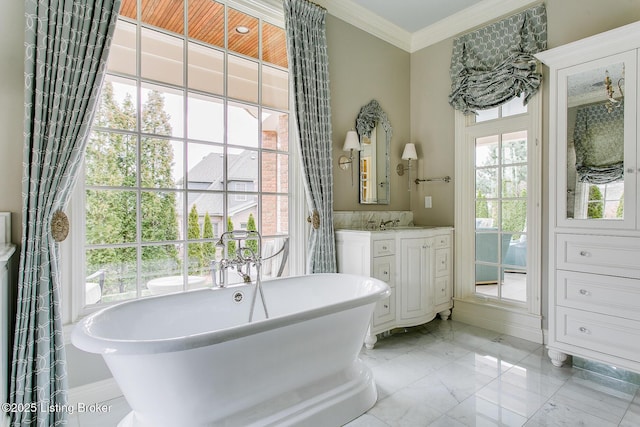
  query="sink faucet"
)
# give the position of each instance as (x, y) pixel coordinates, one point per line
(383, 224)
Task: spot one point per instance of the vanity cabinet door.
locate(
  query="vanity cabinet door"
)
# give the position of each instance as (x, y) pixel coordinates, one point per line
(416, 286)
(596, 165)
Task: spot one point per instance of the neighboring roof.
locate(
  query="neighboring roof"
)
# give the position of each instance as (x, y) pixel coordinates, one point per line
(208, 174)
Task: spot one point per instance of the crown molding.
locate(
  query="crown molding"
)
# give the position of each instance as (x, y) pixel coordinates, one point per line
(368, 21)
(269, 9)
(466, 20)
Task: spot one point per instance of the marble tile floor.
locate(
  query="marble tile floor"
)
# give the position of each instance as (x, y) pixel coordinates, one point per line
(449, 374)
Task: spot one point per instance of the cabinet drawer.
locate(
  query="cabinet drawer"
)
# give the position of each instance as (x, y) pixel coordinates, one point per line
(384, 268)
(603, 294)
(616, 256)
(598, 332)
(442, 262)
(442, 290)
(385, 310)
(443, 241)
(384, 247)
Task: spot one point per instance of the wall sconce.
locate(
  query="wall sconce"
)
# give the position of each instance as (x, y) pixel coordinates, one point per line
(408, 154)
(351, 143)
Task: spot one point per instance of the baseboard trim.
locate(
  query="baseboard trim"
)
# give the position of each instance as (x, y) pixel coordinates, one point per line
(511, 322)
(99, 391)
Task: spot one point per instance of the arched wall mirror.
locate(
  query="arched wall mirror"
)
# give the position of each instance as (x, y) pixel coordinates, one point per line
(375, 132)
(596, 137)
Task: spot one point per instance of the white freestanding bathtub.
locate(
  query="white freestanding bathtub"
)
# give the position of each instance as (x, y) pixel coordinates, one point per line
(192, 359)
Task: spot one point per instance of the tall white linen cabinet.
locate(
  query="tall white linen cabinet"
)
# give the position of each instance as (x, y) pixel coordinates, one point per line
(594, 206)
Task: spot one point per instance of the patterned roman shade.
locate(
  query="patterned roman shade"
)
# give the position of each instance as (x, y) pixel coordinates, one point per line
(494, 64)
(598, 138)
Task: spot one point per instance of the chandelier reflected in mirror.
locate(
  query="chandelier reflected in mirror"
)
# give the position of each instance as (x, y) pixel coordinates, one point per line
(613, 100)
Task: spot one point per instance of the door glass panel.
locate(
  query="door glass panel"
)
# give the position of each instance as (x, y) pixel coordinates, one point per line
(501, 173)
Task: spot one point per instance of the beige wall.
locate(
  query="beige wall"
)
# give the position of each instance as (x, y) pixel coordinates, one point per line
(361, 68)
(11, 112)
(432, 126)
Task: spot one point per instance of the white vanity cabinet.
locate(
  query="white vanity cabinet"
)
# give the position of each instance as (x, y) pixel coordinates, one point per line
(594, 240)
(374, 255)
(415, 262)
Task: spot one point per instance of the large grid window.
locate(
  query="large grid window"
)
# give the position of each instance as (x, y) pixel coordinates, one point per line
(190, 140)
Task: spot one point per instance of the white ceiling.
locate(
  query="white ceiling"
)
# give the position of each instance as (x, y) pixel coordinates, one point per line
(414, 15)
(415, 24)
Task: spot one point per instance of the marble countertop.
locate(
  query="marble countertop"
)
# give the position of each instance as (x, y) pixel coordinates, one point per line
(398, 228)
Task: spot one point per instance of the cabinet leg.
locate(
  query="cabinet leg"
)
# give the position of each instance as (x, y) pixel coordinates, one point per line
(370, 341)
(557, 357)
(444, 315)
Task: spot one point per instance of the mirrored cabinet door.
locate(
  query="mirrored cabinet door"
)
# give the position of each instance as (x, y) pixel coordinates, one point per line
(597, 167)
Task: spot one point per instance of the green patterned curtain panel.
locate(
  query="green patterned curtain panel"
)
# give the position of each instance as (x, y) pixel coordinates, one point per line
(66, 48)
(494, 64)
(598, 137)
(309, 73)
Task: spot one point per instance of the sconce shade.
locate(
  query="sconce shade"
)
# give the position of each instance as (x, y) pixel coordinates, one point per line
(351, 142)
(409, 152)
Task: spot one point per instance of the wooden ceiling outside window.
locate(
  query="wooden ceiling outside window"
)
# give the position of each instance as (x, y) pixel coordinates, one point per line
(206, 24)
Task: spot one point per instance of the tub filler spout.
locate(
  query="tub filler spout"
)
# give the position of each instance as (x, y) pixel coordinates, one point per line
(244, 258)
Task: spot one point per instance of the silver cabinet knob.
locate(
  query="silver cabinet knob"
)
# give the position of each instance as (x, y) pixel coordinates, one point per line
(584, 292)
(584, 330)
(584, 253)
